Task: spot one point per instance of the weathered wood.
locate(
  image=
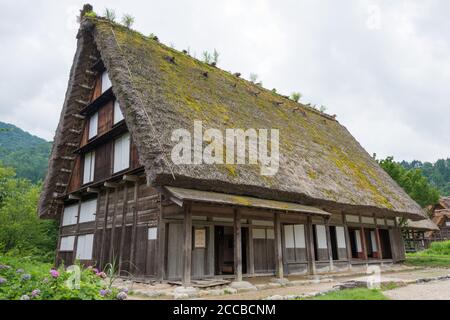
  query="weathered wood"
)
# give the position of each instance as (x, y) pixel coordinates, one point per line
(92, 190)
(74, 197)
(68, 158)
(111, 185)
(130, 178)
(329, 245)
(278, 247)
(122, 233)
(347, 241)
(364, 244)
(105, 224)
(77, 230)
(210, 248)
(251, 250)
(113, 227)
(237, 245)
(133, 231)
(187, 246)
(310, 246)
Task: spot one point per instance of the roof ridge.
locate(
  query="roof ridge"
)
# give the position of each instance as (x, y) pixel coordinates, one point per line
(247, 82)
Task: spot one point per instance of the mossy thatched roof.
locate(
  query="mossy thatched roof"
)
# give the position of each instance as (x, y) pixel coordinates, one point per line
(161, 89)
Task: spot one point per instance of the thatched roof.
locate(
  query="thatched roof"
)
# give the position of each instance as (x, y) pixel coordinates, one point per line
(161, 89)
(421, 225)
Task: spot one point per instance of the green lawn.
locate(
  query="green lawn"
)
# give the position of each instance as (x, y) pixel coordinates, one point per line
(419, 260)
(353, 294)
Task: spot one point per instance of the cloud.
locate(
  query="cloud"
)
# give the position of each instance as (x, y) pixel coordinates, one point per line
(383, 67)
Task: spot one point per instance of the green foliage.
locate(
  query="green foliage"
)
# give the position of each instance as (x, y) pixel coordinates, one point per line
(90, 14)
(35, 281)
(206, 57)
(21, 230)
(110, 14)
(438, 255)
(352, 294)
(296, 96)
(27, 154)
(127, 20)
(253, 77)
(438, 173)
(215, 57)
(412, 181)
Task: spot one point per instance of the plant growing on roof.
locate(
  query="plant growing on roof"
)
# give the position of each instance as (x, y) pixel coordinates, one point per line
(90, 14)
(207, 58)
(296, 96)
(127, 20)
(253, 77)
(215, 58)
(323, 108)
(110, 14)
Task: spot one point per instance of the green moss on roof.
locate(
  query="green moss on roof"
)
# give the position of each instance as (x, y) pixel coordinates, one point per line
(318, 155)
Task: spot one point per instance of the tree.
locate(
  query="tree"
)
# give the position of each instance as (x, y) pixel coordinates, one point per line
(253, 77)
(21, 230)
(412, 181)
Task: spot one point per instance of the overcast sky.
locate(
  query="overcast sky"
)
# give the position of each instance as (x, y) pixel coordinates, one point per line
(382, 66)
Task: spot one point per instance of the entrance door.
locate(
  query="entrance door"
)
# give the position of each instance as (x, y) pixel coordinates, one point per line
(224, 250)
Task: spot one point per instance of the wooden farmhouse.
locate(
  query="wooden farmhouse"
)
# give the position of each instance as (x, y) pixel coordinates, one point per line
(119, 197)
(441, 217)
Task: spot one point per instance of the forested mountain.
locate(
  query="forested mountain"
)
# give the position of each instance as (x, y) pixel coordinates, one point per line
(437, 173)
(26, 153)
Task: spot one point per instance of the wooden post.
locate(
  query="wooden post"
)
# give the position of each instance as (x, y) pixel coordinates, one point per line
(251, 250)
(134, 227)
(380, 252)
(278, 247)
(210, 251)
(58, 245)
(237, 245)
(364, 244)
(112, 257)
(161, 244)
(124, 221)
(187, 246)
(310, 246)
(77, 231)
(105, 225)
(330, 248)
(347, 241)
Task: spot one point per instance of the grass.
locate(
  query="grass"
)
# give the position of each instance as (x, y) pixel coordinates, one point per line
(438, 255)
(352, 294)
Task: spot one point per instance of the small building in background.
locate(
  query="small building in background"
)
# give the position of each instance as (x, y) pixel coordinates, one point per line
(441, 217)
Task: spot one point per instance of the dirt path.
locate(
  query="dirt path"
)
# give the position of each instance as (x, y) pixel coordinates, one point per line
(439, 290)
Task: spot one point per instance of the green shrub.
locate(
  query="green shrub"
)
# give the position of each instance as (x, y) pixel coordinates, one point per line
(28, 279)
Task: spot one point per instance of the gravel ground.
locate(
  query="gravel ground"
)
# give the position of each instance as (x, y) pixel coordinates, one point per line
(439, 290)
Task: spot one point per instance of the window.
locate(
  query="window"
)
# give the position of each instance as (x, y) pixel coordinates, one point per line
(294, 236)
(84, 247)
(321, 235)
(106, 82)
(70, 215)
(340, 235)
(447, 223)
(152, 233)
(118, 116)
(122, 153)
(93, 126)
(67, 243)
(89, 163)
(88, 210)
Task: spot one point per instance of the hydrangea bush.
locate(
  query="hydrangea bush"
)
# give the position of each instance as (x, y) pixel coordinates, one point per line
(26, 279)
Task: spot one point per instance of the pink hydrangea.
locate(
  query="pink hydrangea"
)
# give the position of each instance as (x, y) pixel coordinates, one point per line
(54, 273)
(35, 293)
(95, 270)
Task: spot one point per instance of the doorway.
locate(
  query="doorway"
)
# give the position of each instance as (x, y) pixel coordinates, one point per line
(224, 250)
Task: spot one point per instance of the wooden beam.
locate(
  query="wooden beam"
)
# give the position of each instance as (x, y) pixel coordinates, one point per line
(92, 190)
(111, 185)
(251, 250)
(57, 195)
(105, 224)
(72, 145)
(310, 246)
(90, 72)
(74, 197)
(347, 241)
(278, 247)
(65, 170)
(61, 185)
(237, 245)
(77, 231)
(68, 158)
(133, 228)
(83, 103)
(87, 87)
(112, 254)
(124, 221)
(330, 247)
(187, 246)
(364, 244)
(78, 116)
(130, 178)
(177, 201)
(75, 131)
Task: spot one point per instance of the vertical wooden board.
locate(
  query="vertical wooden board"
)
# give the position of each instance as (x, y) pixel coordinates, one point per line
(270, 261)
(116, 246)
(397, 245)
(151, 258)
(103, 161)
(198, 262)
(140, 251)
(75, 177)
(126, 250)
(174, 251)
(97, 246)
(260, 255)
(135, 163)
(97, 92)
(105, 118)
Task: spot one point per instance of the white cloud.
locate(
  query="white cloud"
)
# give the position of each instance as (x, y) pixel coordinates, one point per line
(383, 67)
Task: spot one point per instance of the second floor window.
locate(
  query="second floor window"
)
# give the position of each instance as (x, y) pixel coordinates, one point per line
(70, 215)
(93, 125)
(106, 82)
(122, 153)
(89, 164)
(118, 116)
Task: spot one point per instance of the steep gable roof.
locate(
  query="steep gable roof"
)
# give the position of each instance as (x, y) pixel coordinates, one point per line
(161, 89)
